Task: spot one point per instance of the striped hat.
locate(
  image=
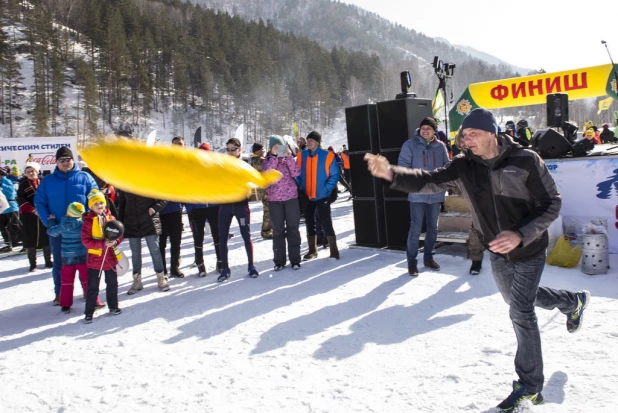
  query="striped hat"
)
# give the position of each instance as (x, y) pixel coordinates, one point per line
(95, 196)
(75, 210)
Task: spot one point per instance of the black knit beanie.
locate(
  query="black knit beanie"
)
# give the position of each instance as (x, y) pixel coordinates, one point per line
(256, 147)
(481, 119)
(64, 152)
(315, 136)
(430, 122)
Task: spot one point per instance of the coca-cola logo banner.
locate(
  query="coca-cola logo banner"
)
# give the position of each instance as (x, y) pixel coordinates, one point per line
(18, 151)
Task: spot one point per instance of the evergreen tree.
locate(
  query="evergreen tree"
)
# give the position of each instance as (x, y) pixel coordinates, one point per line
(87, 81)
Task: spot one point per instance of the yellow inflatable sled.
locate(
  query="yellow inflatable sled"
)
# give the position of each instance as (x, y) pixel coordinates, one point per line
(174, 173)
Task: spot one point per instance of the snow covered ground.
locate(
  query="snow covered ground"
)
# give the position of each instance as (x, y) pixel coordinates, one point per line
(354, 335)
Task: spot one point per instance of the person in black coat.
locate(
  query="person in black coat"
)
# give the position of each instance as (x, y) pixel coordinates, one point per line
(34, 232)
(607, 136)
(140, 216)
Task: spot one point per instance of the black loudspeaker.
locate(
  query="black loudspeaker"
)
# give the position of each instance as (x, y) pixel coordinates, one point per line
(550, 144)
(392, 156)
(581, 148)
(557, 109)
(397, 218)
(398, 119)
(369, 222)
(362, 128)
(365, 185)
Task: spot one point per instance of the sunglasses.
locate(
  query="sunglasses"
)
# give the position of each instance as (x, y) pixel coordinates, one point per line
(231, 149)
(64, 160)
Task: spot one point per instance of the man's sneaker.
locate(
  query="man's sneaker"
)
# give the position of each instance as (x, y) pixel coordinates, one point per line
(225, 274)
(413, 270)
(115, 311)
(518, 395)
(201, 268)
(576, 318)
(88, 319)
(279, 267)
(296, 266)
(475, 268)
(66, 310)
(253, 273)
(431, 264)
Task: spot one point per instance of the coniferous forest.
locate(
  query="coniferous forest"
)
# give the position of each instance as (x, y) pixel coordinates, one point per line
(192, 65)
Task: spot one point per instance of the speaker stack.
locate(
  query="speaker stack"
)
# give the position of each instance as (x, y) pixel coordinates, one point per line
(362, 129)
(381, 215)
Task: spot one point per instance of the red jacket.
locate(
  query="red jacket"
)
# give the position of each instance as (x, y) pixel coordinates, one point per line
(93, 240)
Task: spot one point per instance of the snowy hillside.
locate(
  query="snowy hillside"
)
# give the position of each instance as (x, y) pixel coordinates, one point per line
(354, 335)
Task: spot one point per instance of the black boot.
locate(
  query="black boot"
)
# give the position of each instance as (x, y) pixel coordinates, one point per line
(48, 257)
(32, 258)
(475, 268)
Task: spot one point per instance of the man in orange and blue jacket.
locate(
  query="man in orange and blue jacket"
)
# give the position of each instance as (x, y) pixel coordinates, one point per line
(319, 174)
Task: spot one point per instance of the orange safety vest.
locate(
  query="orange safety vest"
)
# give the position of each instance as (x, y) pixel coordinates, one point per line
(346, 160)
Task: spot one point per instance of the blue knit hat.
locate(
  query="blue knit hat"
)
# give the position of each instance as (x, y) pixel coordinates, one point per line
(481, 119)
(275, 140)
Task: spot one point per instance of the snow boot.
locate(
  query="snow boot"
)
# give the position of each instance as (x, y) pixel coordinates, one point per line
(332, 243)
(225, 274)
(476, 267)
(253, 273)
(32, 259)
(162, 282)
(176, 273)
(430, 263)
(137, 284)
(313, 248)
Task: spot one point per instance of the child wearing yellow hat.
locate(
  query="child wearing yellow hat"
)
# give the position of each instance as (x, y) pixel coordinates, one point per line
(102, 255)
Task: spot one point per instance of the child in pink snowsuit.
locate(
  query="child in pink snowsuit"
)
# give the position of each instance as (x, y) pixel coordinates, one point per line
(73, 253)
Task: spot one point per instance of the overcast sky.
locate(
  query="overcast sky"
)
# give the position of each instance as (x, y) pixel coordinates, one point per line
(549, 34)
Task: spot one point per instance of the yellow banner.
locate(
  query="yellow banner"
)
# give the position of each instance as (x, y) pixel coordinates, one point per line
(605, 104)
(532, 90)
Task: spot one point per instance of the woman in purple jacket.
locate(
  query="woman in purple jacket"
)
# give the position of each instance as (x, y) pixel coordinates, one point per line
(283, 204)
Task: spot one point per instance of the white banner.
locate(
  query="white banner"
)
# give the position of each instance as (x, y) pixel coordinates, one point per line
(589, 188)
(16, 151)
